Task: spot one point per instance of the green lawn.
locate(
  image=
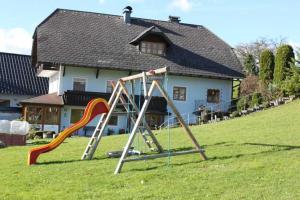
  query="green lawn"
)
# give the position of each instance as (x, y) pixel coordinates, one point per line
(252, 157)
(235, 92)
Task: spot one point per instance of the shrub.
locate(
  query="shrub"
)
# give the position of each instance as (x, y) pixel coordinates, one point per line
(242, 104)
(249, 64)
(249, 85)
(255, 100)
(2, 144)
(283, 59)
(291, 85)
(266, 66)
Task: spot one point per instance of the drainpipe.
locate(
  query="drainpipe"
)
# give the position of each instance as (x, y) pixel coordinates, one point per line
(60, 82)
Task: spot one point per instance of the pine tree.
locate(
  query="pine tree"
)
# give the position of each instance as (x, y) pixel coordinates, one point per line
(284, 58)
(249, 65)
(266, 66)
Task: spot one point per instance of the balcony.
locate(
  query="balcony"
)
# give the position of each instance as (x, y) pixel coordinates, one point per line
(158, 105)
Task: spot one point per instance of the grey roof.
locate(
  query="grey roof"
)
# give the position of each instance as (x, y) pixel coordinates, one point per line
(99, 40)
(17, 76)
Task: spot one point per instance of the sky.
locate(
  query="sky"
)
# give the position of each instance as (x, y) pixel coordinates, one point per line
(235, 21)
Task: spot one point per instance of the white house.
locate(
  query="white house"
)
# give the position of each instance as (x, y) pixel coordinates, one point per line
(81, 52)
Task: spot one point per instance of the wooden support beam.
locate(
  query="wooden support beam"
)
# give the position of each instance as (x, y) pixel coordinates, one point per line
(135, 107)
(144, 80)
(150, 73)
(94, 141)
(180, 119)
(134, 130)
(161, 155)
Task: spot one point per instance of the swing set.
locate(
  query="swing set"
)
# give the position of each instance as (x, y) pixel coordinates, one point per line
(136, 114)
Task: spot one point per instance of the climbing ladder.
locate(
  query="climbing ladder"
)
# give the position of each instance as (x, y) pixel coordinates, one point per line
(140, 124)
(116, 96)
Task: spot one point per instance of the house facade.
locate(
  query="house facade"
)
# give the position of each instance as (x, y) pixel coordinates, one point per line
(82, 52)
(18, 81)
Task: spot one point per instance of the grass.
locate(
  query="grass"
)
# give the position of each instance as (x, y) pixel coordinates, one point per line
(252, 157)
(235, 91)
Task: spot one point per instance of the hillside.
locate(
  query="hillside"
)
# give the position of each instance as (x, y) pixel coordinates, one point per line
(252, 157)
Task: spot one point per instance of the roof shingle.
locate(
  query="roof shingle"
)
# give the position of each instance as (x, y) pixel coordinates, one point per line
(99, 40)
(17, 76)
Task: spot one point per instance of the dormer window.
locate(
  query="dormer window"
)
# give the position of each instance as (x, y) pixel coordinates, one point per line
(152, 41)
(156, 48)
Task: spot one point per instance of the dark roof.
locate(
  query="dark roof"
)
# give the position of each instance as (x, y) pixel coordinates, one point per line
(99, 40)
(148, 31)
(47, 99)
(17, 76)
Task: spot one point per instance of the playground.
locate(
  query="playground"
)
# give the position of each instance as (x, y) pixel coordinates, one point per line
(244, 162)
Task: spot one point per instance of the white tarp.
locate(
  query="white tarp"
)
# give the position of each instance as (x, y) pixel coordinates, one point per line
(19, 127)
(14, 127)
(4, 126)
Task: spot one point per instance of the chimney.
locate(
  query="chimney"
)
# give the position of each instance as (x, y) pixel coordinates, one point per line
(126, 14)
(174, 19)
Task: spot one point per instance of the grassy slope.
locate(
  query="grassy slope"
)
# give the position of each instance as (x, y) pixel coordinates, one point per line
(253, 157)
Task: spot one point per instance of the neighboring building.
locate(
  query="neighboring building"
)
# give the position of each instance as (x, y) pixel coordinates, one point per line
(80, 52)
(18, 81)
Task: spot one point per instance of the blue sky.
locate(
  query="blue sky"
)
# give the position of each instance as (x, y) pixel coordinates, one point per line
(235, 21)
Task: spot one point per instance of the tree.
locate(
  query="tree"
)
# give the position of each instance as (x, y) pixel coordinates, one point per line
(266, 63)
(249, 65)
(255, 48)
(284, 58)
(291, 85)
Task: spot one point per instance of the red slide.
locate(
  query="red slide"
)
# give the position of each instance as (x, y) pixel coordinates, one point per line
(94, 108)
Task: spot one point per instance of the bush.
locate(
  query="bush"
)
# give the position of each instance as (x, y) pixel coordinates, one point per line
(255, 100)
(291, 85)
(266, 66)
(249, 85)
(283, 59)
(242, 104)
(2, 144)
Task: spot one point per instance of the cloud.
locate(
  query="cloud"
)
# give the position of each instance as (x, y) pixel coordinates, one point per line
(184, 5)
(16, 40)
(102, 1)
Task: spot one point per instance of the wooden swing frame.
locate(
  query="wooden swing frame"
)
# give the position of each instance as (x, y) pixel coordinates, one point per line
(116, 96)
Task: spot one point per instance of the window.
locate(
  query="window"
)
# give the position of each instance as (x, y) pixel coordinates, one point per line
(34, 114)
(113, 120)
(109, 88)
(213, 96)
(51, 115)
(152, 48)
(76, 115)
(79, 84)
(179, 93)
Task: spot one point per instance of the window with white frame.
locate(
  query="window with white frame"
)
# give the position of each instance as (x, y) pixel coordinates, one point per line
(79, 84)
(179, 93)
(213, 96)
(156, 48)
